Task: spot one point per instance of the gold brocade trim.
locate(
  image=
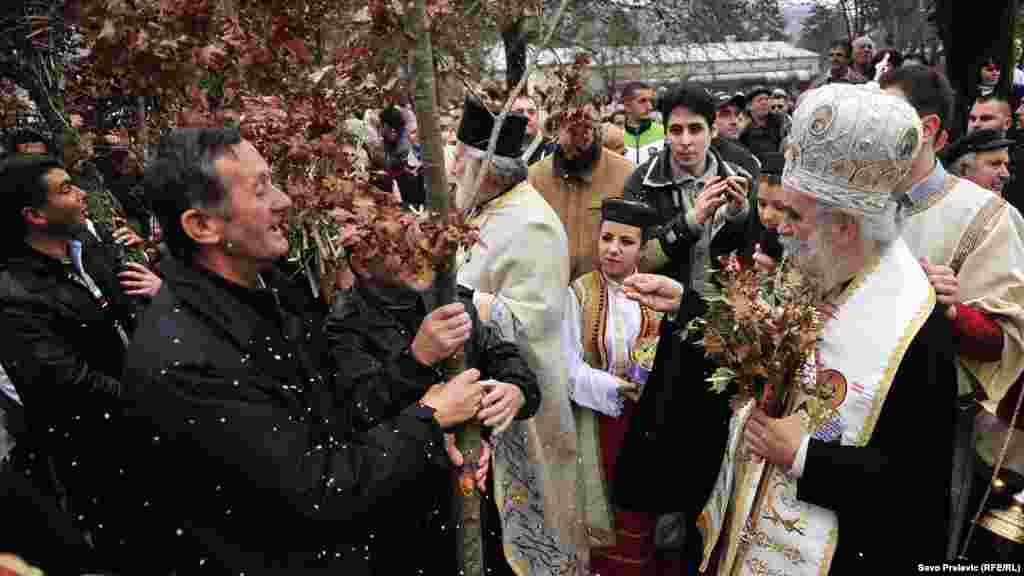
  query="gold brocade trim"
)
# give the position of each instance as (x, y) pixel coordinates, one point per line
(977, 230)
(590, 291)
(895, 358)
(934, 198)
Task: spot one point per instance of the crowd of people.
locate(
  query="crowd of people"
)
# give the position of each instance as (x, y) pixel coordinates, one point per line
(204, 413)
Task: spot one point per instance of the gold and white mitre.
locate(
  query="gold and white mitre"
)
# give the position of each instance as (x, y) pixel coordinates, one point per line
(851, 146)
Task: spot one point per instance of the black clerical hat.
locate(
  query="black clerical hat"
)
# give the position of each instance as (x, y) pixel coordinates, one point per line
(981, 140)
(477, 123)
(629, 212)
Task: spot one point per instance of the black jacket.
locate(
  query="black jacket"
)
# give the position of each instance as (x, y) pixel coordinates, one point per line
(767, 139)
(377, 373)
(654, 184)
(64, 355)
(249, 464)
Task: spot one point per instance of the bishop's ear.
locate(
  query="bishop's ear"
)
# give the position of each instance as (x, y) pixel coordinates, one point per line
(202, 227)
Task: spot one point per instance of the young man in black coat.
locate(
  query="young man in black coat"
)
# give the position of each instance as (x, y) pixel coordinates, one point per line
(252, 468)
(67, 315)
(388, 349)
(706, 207)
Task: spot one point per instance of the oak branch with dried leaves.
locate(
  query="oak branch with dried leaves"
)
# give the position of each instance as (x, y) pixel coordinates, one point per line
(289, 73)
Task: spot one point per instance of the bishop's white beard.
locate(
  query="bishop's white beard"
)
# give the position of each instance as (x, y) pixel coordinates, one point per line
(816, 258)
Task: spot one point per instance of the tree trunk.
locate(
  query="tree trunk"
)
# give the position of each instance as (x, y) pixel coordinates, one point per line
(466, 509)
(514, 39)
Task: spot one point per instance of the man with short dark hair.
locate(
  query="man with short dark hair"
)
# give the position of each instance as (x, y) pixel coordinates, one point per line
(992, 111)
(68, 318)
(697, 193)
(969, 242)
(703, 204)
(644, 136)
(226, 379)
(840, 53)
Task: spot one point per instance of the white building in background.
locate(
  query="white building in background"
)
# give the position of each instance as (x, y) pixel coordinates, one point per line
(719, 65)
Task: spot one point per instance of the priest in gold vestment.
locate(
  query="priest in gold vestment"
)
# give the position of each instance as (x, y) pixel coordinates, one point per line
(865, 489)
(518, 272)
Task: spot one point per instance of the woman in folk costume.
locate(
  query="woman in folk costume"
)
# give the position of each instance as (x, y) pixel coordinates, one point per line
(518, 272)
(609, 341)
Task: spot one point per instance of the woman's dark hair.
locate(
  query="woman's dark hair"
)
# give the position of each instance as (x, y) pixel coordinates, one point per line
(183, 176)
(24, 182)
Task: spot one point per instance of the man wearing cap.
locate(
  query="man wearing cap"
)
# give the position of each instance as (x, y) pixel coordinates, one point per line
(518, 272)
(993, 111)
(726, 143)
(727, 114)
(767, 129)
(575, 179)
(982, 157)
(609, 342)
(841, 468)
